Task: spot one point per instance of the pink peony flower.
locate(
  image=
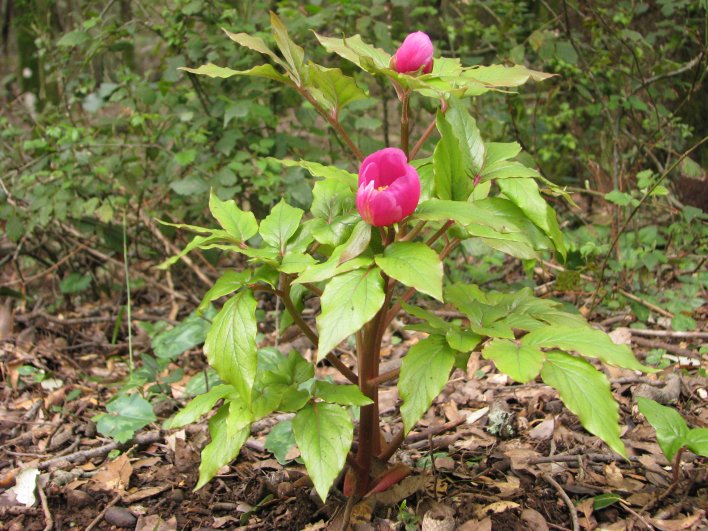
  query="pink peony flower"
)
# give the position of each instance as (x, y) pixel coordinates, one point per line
(415, 53)
(389, 188)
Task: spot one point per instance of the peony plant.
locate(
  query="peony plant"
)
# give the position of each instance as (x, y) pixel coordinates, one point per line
(373, 247)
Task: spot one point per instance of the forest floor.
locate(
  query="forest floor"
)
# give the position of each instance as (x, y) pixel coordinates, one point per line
(490, 454)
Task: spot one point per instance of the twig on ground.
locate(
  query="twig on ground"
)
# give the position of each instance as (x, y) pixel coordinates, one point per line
(83, 455)
(48, 520)
(568, 502)
(603, 458)
(100, 515)
(669, 333)
(668, 347)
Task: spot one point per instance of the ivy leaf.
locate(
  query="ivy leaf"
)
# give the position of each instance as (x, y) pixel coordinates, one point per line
(280, 440)
(280, 225)
(349, 302)
(415, 265)
(226, 284)
(671, 429)
(521, 362)
(126, 415)
(697, 441)
(424, 372)
(223, 448)
(323, 433)
(586, 392)
(344, 395)
(230, 345)
(198, 406)
(586, 341)
(238, 223)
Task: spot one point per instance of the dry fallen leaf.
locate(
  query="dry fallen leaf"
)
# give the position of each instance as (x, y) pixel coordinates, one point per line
(114, 475)
(496, 507)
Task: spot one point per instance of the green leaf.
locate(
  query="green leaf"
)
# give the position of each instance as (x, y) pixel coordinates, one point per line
(452, 165)
(323, 433)
(293, 54)
(618, 198)
(215, 71)
(357, 243)
(344, 395)
(415, 265)
(280, 225)
(524, 193)
(586, 341)
(505, 169)
(349, 302)
(224, 447)
(227, 283)
(320, 170)
(237, 223)
(74, 38)
(424, 372)
(605, 500)
(500, 151)
(671, 430)
(697, 441)
(468, 135)
(198, 406)
(354, 49)
(254, 43)
(189, 333)
(230, 345)
(330, 198)
(280, 440)
(521, 362)
(126, 415)
(586, 392)
(332, 88)
(504, 76)
(74, 283)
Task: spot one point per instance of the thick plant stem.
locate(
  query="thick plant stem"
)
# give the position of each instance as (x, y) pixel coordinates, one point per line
(369, 417)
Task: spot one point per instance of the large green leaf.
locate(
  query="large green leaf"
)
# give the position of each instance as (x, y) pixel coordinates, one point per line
(198, 406)
(323, 433)
(213, 70)
(586, 341)
(189, 333)
(504, 76)
(126, 415)
(586, 392)
(524, 193)
(226, 284)
(349, 302)
(332, 88)
(344, 395)
(424, 372)
(521, 362)
(671, 429)
(231, 343)
(452, 164)
(468, 135)
(280, 225)
(224, 447)
(415, 265)
(330, 198)
(238, 223)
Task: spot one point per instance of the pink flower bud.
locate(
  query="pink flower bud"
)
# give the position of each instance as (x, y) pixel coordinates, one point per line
(389, 188)
(415, 53)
